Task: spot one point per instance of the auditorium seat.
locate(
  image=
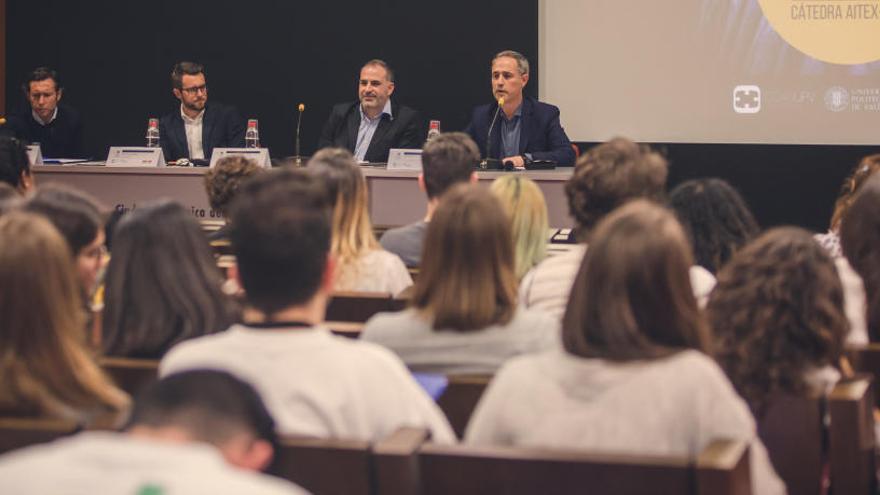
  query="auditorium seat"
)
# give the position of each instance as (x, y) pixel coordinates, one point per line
(402, 468)
(326, 466)
(460, 398)
(866, 359)
(16, 433)
(130, 375)
(360, 306)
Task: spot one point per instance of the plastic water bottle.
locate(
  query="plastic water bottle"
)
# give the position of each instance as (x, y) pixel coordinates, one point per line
(153, 133)
(433, 129)
(252, 135)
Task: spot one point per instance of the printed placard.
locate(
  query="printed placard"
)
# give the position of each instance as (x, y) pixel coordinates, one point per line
(405, 159)
(135, 156)
(258, 155)
(35, 154)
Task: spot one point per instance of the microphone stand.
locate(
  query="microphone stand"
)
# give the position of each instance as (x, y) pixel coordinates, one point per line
(492, 163)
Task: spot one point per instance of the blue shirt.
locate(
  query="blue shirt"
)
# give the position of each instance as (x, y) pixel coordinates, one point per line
(510, 133)
(367, 129)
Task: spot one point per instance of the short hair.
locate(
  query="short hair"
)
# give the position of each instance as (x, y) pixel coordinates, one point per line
(185, 68)
(74, 213)
(280, 233)
(777, 313)
(632, 297)
(716, 219)
(389, 74)
(525, 206)
(522, 62)
(162, 284)
(608, 176)
(448, 159)
(41, 74)
(466, 279)
(212, 406)
(13, 161)
(859, 241)
(222, 181)
(865, 169)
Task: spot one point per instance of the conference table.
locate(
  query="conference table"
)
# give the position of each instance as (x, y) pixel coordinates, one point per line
(395, 198)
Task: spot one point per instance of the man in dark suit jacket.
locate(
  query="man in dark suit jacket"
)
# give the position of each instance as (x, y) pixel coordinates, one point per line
(526, 129)
(197, 127)
(370, 127)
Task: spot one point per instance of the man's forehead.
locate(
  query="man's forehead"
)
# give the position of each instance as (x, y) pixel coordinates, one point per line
(192, 79)
(374, 73)
(505, 64)
(43, 86)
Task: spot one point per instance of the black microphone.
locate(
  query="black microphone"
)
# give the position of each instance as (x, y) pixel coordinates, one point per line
(488, 162)
(300, 108)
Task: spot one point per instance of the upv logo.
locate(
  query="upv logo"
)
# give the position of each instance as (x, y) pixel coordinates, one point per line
(747, 98)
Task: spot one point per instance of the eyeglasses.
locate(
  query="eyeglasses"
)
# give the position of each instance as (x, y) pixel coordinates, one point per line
(195, 89)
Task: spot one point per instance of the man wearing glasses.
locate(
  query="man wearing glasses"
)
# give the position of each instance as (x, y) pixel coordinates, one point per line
(197, 128)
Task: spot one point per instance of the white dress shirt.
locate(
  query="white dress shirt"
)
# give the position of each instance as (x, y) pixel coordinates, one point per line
(193, 129)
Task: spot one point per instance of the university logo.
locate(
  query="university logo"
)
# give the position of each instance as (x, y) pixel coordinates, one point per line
(837, 99)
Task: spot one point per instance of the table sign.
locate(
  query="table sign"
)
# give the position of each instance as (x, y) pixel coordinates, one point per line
(258, 155)
(404, 159)
(135, 156)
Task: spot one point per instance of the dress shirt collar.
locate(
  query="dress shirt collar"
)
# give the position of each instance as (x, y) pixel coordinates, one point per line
(186, 118)
(385, 110)
(40, 121)
(517, 113)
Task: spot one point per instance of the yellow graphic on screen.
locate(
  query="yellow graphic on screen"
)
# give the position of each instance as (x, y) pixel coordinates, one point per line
(836, 31)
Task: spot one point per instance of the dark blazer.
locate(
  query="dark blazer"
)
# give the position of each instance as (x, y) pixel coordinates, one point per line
(541, 134)
(404, 130)
(62, 138)
(222, 127)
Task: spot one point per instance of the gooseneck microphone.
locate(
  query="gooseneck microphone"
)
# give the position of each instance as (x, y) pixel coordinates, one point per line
(488, 161)
(300, 109)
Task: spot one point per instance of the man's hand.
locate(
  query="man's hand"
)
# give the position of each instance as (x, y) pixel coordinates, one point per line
(516, 160)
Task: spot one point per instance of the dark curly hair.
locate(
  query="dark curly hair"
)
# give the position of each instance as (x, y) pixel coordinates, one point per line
(777, 312)
(859, 240)
(716, 218)
(608, 176)
(851, 185)
(222, 181)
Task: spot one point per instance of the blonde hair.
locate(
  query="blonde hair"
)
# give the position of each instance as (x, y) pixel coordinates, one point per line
(45, 368)
(524, 203)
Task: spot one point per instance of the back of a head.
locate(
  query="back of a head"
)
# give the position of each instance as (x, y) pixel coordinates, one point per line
(777, 313)
(222, 181)
(860, 242)
(525, 206)
(851, 186)
(13, 161)
(211, 406)
(632, 297)
(280, 233)
(716, 218)
(162, 285)
(75, 214)
(466, 279)
(448, 159)
(611, 174)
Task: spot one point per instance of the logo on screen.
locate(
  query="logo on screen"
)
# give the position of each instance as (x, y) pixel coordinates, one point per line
(747, 99)
(837, 99)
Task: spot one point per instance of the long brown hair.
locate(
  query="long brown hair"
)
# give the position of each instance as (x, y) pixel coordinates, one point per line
(777, 312)
(45, 368)
(466, 280)
(632, 297)
(852, 185)
(860, 242)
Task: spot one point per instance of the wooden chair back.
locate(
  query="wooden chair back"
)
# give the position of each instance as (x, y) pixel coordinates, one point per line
(852, 441)
(792, 429)
(131, 375)
(361, 306)
(16, 433)
(326, 466)
(866, 359)
(460, 398)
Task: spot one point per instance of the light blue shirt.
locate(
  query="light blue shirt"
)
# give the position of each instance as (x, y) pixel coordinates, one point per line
(367, 129)
(510, 133)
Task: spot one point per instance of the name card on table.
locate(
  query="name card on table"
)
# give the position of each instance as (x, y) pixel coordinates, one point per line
(258, 155)
(135, 156)
(404, 159)
(35, 154)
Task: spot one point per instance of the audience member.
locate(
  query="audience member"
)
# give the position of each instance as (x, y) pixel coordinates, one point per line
(15, 169)
(9, 197)
(195, 432)
(464, 317)
(604, 178)
(56, 127)
(46, 369)
(525, 206)
(447, 159)
(371, 126)
(222, 182)
(361, 263)
(162, 285)
(716, 219)
(778, 319)
(860, 238)
(848, 190)
(314, 383)
(633, 376)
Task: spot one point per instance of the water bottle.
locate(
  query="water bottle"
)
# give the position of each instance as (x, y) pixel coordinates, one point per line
(153, 133)
(433, 129)
(252, 135)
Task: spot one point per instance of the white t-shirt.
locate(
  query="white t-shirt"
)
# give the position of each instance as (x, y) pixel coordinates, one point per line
(374, 271)
(119, 464)
(671, 406)
(315, 383)
(854, 302)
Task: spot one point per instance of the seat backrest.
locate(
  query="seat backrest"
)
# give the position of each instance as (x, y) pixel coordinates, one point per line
(460, 398)
(361, 306)
(326, 466)
(16, 433)
(131, 375)
(866, 359)
(793, 431)
(852, 437)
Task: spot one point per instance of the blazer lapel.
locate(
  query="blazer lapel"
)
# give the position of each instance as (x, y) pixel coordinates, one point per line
(525, 132)
(353, 123)
(207, 131)
(384, 126)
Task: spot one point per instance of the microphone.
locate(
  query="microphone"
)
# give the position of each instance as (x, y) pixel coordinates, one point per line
(300, 109)
(489, 162)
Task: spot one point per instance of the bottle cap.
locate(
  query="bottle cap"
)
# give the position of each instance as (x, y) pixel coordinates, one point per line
(153, 122)
(435, 124)
(252, 122)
